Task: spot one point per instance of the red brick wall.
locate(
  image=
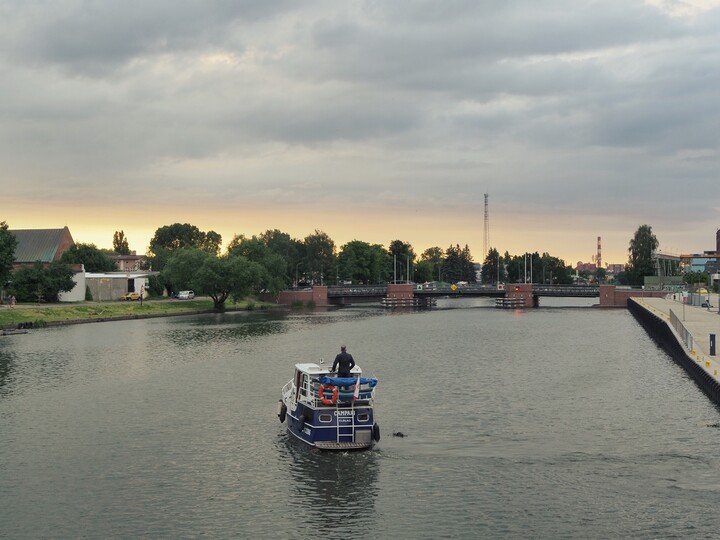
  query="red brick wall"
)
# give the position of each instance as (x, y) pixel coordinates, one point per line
(520, 290)
(400, 290)
(318, 295)
(66, 241)
(611, 296)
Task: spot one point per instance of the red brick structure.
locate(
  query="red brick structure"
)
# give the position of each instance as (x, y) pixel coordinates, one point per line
(612, 296)
(317, 295)
(400, 291)
(523, 291)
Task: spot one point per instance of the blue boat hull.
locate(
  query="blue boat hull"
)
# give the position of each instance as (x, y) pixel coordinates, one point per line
(334, 428)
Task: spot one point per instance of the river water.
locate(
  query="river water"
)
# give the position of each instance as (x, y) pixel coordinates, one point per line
(558, 422)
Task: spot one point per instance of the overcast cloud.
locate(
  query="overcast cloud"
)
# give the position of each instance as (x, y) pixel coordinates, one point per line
(580, 118)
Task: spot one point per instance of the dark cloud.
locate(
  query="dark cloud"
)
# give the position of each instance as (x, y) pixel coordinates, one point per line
(97, 37)
(574, 105)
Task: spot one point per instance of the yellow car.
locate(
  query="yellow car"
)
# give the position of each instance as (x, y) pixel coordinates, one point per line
(130, 296)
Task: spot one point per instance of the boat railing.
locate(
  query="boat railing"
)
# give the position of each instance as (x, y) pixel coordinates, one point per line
(345, 393)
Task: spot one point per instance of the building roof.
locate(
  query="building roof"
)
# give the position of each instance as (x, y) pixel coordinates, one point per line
(44, 245)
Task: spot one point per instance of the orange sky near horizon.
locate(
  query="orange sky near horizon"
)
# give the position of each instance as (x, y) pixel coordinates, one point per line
(421, 228)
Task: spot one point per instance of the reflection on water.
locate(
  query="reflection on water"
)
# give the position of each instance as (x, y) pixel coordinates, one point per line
(335, 489)
(224, 333)
(8, 361)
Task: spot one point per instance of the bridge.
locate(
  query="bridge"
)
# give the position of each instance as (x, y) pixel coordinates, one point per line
(381, 291)
(409, 294)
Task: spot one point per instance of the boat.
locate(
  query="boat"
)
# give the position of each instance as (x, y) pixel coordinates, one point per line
(328, 412)
(13, 331)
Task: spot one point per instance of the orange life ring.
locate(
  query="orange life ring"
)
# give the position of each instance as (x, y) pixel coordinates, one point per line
(328, 401)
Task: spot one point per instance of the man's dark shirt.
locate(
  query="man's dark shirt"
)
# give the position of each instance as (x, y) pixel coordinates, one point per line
(344, 362)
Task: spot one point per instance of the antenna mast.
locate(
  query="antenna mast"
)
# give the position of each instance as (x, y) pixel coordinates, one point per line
(598, 258)
(486, 239)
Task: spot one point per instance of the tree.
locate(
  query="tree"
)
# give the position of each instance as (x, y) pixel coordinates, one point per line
(92, 258)
(229, 277)
(640, 261)
(403, 260)
(492, 269)
(288, 248)
(8, 243)
(319, 257)
(362, 262)
(179, 272)
(429, 267)
(467, 266)
(696, 278)
(40, 283)
(170, 238)
(274, 276)
(218, 277)
(120, 243)
(553, 271)
(458, 265)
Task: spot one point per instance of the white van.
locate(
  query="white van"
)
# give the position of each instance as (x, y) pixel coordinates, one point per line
(185, 295)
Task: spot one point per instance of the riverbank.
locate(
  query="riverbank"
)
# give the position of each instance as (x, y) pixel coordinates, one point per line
(40, 315)
(685, 333)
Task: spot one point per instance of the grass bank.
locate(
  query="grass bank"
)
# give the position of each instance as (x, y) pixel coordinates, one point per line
(49, 314)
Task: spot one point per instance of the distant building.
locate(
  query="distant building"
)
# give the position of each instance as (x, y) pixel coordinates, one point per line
(128, 263)
(615, 269)
(47, 246)
(106, 286)
(585, 267)
(707, 261)
(44, 245)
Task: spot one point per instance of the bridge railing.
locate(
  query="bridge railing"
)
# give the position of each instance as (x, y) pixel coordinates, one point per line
(566, 290)
(357, 290)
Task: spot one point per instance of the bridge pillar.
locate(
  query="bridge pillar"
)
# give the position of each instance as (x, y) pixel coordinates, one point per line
(318, 296)
(400, 291)
(523, 291)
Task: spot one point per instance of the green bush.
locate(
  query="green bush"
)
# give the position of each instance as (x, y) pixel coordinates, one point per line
(155, 286)
(311, 304)
(296, 304)
(88, 294)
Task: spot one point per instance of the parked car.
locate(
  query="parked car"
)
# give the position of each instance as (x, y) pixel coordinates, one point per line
(130, 296)
(185, 295)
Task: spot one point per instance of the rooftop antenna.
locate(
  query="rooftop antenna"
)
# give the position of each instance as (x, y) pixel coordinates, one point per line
(598, 258)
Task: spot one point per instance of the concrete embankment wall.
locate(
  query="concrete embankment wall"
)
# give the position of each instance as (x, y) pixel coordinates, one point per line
(660, 330)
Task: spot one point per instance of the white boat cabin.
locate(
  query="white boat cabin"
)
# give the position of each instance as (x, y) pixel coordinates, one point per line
(307, 385)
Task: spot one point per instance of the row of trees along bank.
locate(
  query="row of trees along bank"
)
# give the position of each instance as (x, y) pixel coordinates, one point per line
(188, 258)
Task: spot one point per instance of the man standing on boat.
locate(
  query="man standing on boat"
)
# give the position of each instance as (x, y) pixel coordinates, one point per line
(344, 362)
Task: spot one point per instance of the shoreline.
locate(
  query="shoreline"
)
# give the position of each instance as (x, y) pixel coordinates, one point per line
(684, 333)
(21, 317)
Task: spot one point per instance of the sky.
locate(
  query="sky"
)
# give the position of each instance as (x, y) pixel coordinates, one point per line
(367, 120)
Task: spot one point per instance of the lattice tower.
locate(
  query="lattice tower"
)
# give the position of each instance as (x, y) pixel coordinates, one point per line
(486, 237)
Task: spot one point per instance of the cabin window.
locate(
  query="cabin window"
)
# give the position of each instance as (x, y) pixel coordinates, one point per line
(363, 417)
(325, 418)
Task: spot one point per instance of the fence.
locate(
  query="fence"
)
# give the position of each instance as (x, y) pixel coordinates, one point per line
(679, 327)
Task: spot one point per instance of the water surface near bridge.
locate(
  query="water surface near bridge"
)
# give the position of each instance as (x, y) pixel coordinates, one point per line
(558, 422)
